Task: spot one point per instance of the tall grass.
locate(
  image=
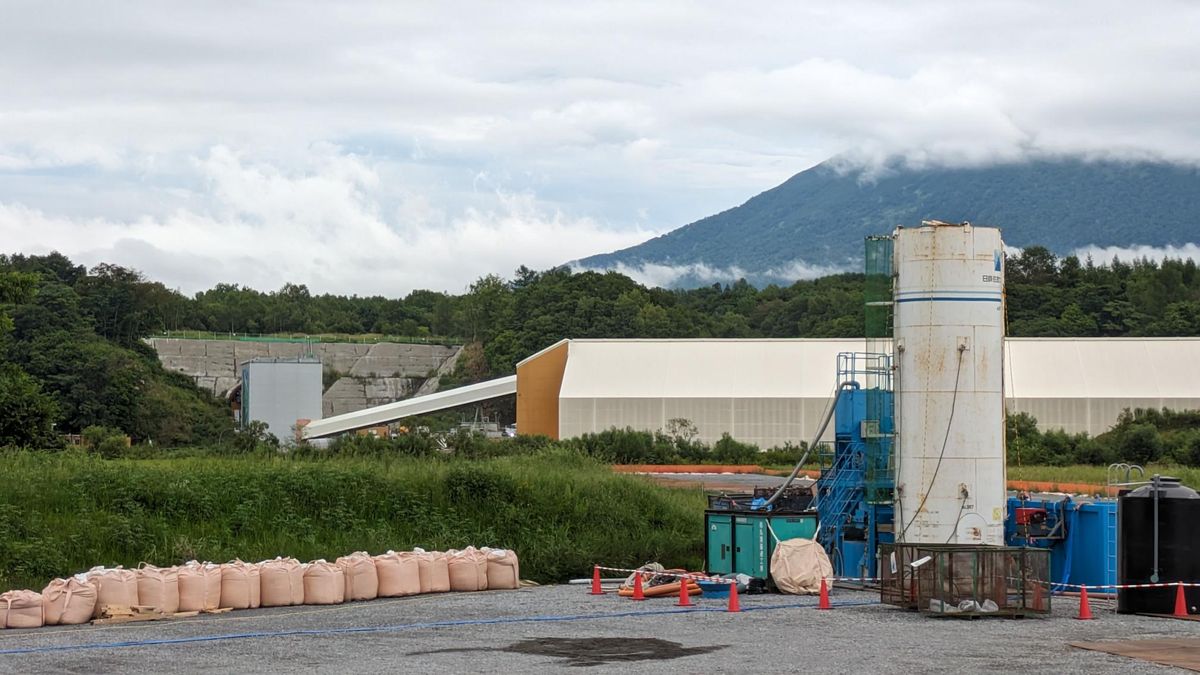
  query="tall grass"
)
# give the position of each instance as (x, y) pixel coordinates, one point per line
(65, 512)
(1098, 475)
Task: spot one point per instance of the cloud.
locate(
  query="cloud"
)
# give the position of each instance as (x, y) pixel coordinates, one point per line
(694, 274)
(1104, 254)
(323, 226)
(121, 122)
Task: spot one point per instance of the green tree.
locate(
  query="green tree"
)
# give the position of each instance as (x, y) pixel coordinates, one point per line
(27, 415)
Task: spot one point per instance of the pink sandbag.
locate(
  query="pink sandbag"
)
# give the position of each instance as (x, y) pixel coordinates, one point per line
(468, 569)
(68, 601)
(282, 581)
(324, 583)
(116, 586)
(503, 569)
(433, 571)
(21, 609)
(239, 585)
(158, 587)
(199, 586)
(399, 574)
(362, 581)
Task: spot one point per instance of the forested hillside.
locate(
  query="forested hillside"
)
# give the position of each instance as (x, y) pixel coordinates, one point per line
(73, 355)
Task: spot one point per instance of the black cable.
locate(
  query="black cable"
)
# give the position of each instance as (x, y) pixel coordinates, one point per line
(942, 454)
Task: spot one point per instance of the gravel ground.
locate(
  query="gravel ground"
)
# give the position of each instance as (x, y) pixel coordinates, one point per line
(527, 631)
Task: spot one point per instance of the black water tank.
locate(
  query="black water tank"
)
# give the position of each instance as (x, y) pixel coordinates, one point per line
(1178, 546)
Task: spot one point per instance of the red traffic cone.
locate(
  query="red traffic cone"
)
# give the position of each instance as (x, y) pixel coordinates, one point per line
(1180, 602)
(596, 590)
(1037, 596)
(734, 604)
(684, 599)
(824, 601)
(637, 587)
(1085, 609)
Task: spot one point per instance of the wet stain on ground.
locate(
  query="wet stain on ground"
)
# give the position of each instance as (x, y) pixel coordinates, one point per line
(583, 652)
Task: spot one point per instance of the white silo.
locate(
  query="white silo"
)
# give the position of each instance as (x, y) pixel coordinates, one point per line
(949, 342)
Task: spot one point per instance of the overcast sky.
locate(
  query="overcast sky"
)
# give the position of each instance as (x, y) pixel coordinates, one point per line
(381, 147)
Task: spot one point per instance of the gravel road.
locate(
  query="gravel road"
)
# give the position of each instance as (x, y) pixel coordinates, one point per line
(549, 628)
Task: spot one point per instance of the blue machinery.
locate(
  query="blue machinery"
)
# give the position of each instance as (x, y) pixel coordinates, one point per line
(855, 491)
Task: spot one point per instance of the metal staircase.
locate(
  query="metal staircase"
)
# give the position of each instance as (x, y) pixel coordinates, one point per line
(839, 494)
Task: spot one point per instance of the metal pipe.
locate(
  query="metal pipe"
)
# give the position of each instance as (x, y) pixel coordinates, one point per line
(1154, 576)
(849, 384)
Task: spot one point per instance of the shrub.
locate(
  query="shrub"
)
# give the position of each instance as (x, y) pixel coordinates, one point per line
(730, 451)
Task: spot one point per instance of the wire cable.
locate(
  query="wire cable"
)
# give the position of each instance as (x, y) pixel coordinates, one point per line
(942, 454)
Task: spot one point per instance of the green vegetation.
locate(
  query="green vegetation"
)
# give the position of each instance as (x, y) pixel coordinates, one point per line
(71, 357)
(1098, 475)
(1139, 437)
(65, 512)
(821, 215)
(72, 353)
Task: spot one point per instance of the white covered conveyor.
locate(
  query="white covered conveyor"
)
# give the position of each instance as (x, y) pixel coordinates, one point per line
(421, 405)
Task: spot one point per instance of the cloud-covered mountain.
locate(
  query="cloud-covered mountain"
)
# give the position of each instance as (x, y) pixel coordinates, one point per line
(815, 221)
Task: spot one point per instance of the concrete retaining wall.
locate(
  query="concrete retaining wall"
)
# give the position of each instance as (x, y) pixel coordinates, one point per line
(373, 374)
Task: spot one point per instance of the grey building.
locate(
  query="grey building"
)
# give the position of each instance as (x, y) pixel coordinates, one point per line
(280, 391)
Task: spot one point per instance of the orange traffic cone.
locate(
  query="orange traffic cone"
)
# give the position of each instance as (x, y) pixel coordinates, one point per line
(684, 599)
(638, 594)
(1085, 609)
(1180, 602)
(596, 590)
(824, 601)
(734, 605)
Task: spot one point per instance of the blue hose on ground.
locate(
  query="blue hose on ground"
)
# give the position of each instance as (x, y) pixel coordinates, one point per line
(401, 627)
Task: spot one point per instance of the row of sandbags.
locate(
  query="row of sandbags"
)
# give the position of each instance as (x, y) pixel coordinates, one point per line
(198, 586)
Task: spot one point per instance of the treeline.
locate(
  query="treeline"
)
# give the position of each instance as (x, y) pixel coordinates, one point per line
(512, 318)
(1139, 437)
(76, 335)
(69, 360)
(677, 445)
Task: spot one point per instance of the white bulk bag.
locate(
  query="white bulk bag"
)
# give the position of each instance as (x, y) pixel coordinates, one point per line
(362, 581)
(324, 583)
(282, 581)
(468, 569)
(240, 585)
(158, 587)
(433, 571)
(21, 609)
(116, 586)
(503, 569)
(199, 586)
(399, 574)
(798, 565)
(68, 601)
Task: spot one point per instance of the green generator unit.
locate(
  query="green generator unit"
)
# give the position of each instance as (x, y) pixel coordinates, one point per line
(740, 541)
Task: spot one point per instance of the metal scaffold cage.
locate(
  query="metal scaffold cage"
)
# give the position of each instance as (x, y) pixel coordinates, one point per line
(966, 580)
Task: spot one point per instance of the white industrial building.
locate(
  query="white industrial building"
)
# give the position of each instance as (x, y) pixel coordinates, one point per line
(769, 392)
(772, 391)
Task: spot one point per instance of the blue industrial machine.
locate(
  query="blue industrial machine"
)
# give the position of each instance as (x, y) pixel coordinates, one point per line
(855, 491)
(1081, 534)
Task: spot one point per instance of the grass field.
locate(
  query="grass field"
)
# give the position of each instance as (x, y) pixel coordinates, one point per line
(61, 513)
(1097, 475)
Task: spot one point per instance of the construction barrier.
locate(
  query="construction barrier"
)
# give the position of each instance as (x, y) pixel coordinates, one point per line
(1180, 609)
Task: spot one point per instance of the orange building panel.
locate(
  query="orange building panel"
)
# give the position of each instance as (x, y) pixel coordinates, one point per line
(539, 379)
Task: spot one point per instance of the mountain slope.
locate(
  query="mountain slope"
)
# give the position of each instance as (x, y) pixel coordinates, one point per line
(820, 216)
